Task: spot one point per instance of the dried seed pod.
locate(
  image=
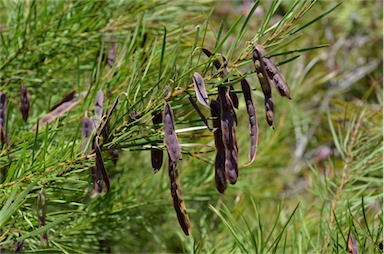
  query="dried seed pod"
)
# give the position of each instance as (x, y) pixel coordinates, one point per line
(24, 102)
(171, 140)
(100, 168)
(41, 214)
(233, 96)
(156, 154)
(228, 135)
(253, 128)
(68, 97)
(3, 118)
(217, 62)
(99, 106)
(86, 131)
(274, 74)
(177, 197)
(58, 111)
(96, 179)
(104, 125)
(352, 245)
(265, 87)
(194, 104)
(220, 177)
(201, 93)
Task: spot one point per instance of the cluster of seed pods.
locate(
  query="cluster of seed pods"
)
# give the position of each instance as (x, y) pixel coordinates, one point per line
(223, 125)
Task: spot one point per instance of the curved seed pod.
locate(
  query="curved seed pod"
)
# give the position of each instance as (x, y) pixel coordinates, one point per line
(201, 93)
(253, 128)
(171, 140)
(41, 215)
(100, 168)
(265, 87)
(104, 125)
(194, 104)
(228, 135)
(274, 74)
(24, 102)
(217, 62)
(86, 131)
(68, 97)
(220, 177)
(96, 179)
(58, 111)
(3, 118)
(157, 154)
(177, 197)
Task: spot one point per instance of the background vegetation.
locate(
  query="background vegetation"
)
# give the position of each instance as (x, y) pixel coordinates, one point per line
(317, 176)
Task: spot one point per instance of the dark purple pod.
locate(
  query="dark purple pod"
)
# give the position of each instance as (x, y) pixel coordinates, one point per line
(24, 105)
(157, 154)
(253, 128)
(171, 139)
(177, 197)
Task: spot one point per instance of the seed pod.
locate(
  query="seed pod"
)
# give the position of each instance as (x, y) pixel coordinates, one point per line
(352, 245)
(156, 154)
(104, 125)
(67, 97)
(177, 197)
(96, 179)
(24, 102)
(58, 111)
(171, 140)
(194, 104)
(208, 53)
(86, 131)
(220, 177)
(274, 74)
(100, 168)
(3, 118)
(99, 107)
(233, 96)
(265, 87)
(253, 128)
(41, 215)
(201, 93)
(228, 135)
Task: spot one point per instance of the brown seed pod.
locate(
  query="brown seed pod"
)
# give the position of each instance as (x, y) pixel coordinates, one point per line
(58, 111)
(177, 197)
(220, 177)
(66, 98)
(352, 245)
(100, 168)
(217, 62)
(233, 96)
(104, 125)
(3, 118)
(253, 128)
(265, 87)
(41, 214)
(96, 179)
(201, 93)
(24, 102)
(171, 140)
(228, 135)
(157, 154)
(274, 74)
(203, 118)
